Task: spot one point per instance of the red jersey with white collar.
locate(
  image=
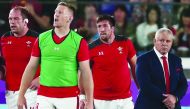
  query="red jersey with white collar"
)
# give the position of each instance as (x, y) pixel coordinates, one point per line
(16, 52)
(110, 70)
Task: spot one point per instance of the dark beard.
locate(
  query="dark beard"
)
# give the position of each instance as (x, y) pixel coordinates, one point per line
(105, 39)
(14, 32)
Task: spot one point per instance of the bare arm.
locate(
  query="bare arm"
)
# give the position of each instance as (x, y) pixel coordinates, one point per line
(27, 78)
(87, 82)
(132, 63)
(80, 85)
(43, 21)
(81, 96)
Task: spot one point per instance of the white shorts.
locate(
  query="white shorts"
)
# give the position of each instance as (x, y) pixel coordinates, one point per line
(114, 104)
(12, 98)
(44, 102)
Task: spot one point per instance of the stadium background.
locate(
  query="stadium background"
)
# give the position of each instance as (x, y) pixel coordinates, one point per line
(169, 17)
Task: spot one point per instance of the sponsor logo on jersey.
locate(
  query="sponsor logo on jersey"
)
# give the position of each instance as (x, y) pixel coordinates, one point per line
(100, 53)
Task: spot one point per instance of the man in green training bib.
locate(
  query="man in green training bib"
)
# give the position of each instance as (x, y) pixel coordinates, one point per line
(60, 52)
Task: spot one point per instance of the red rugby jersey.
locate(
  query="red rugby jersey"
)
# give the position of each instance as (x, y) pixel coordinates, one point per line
(110, 70)
(16, 52)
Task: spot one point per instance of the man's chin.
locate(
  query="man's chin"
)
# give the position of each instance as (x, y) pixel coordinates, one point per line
(164, 52)
(14, 32)
(56, 26)
(105, 39)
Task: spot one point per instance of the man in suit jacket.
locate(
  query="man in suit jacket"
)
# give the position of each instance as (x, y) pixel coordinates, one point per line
(162, 82)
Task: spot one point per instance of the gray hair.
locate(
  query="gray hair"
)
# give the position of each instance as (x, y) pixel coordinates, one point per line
(162, 30)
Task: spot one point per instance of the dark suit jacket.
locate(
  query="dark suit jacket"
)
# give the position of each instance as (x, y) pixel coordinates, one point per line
(150, 77)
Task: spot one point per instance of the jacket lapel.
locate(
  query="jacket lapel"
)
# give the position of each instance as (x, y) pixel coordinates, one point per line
(172, 71)
(158, 67)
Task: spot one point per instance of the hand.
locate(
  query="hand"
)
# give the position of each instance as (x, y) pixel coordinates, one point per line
(21, 102)
(88, 105)
(30, 9)
(82, 104)
(169, 101)
(35, 84)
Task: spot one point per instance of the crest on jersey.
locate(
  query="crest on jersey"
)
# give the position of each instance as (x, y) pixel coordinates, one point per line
(28, 43)
(120, 49)
(9, 42)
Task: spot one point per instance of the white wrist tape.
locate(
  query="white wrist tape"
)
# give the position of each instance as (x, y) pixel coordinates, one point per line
(82, 97)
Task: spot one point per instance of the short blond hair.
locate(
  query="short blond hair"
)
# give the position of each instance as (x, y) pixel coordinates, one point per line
(70, 7)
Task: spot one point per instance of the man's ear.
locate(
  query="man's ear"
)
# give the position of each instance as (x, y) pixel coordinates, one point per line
(70, 18)
(113, 28)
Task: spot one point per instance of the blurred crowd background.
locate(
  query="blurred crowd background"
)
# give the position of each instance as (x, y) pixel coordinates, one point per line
(135, 19)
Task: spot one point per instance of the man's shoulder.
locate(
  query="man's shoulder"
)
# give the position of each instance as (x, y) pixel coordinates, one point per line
(7, 34)
(32, 33)
(95, 44)
(46, 33)
(121, 38)
(148, 54)
(75, 35)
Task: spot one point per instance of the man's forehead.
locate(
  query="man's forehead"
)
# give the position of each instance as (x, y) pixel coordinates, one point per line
(103, 22)
(17, 12)
(164, 35)
(14, 11)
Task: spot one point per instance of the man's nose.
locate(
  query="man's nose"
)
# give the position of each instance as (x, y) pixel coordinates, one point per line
(102, 29)
(55, 14)
(10, 21)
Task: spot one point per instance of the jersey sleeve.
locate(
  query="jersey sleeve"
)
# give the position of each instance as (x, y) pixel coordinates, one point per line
(83, 53)
(36, 49)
